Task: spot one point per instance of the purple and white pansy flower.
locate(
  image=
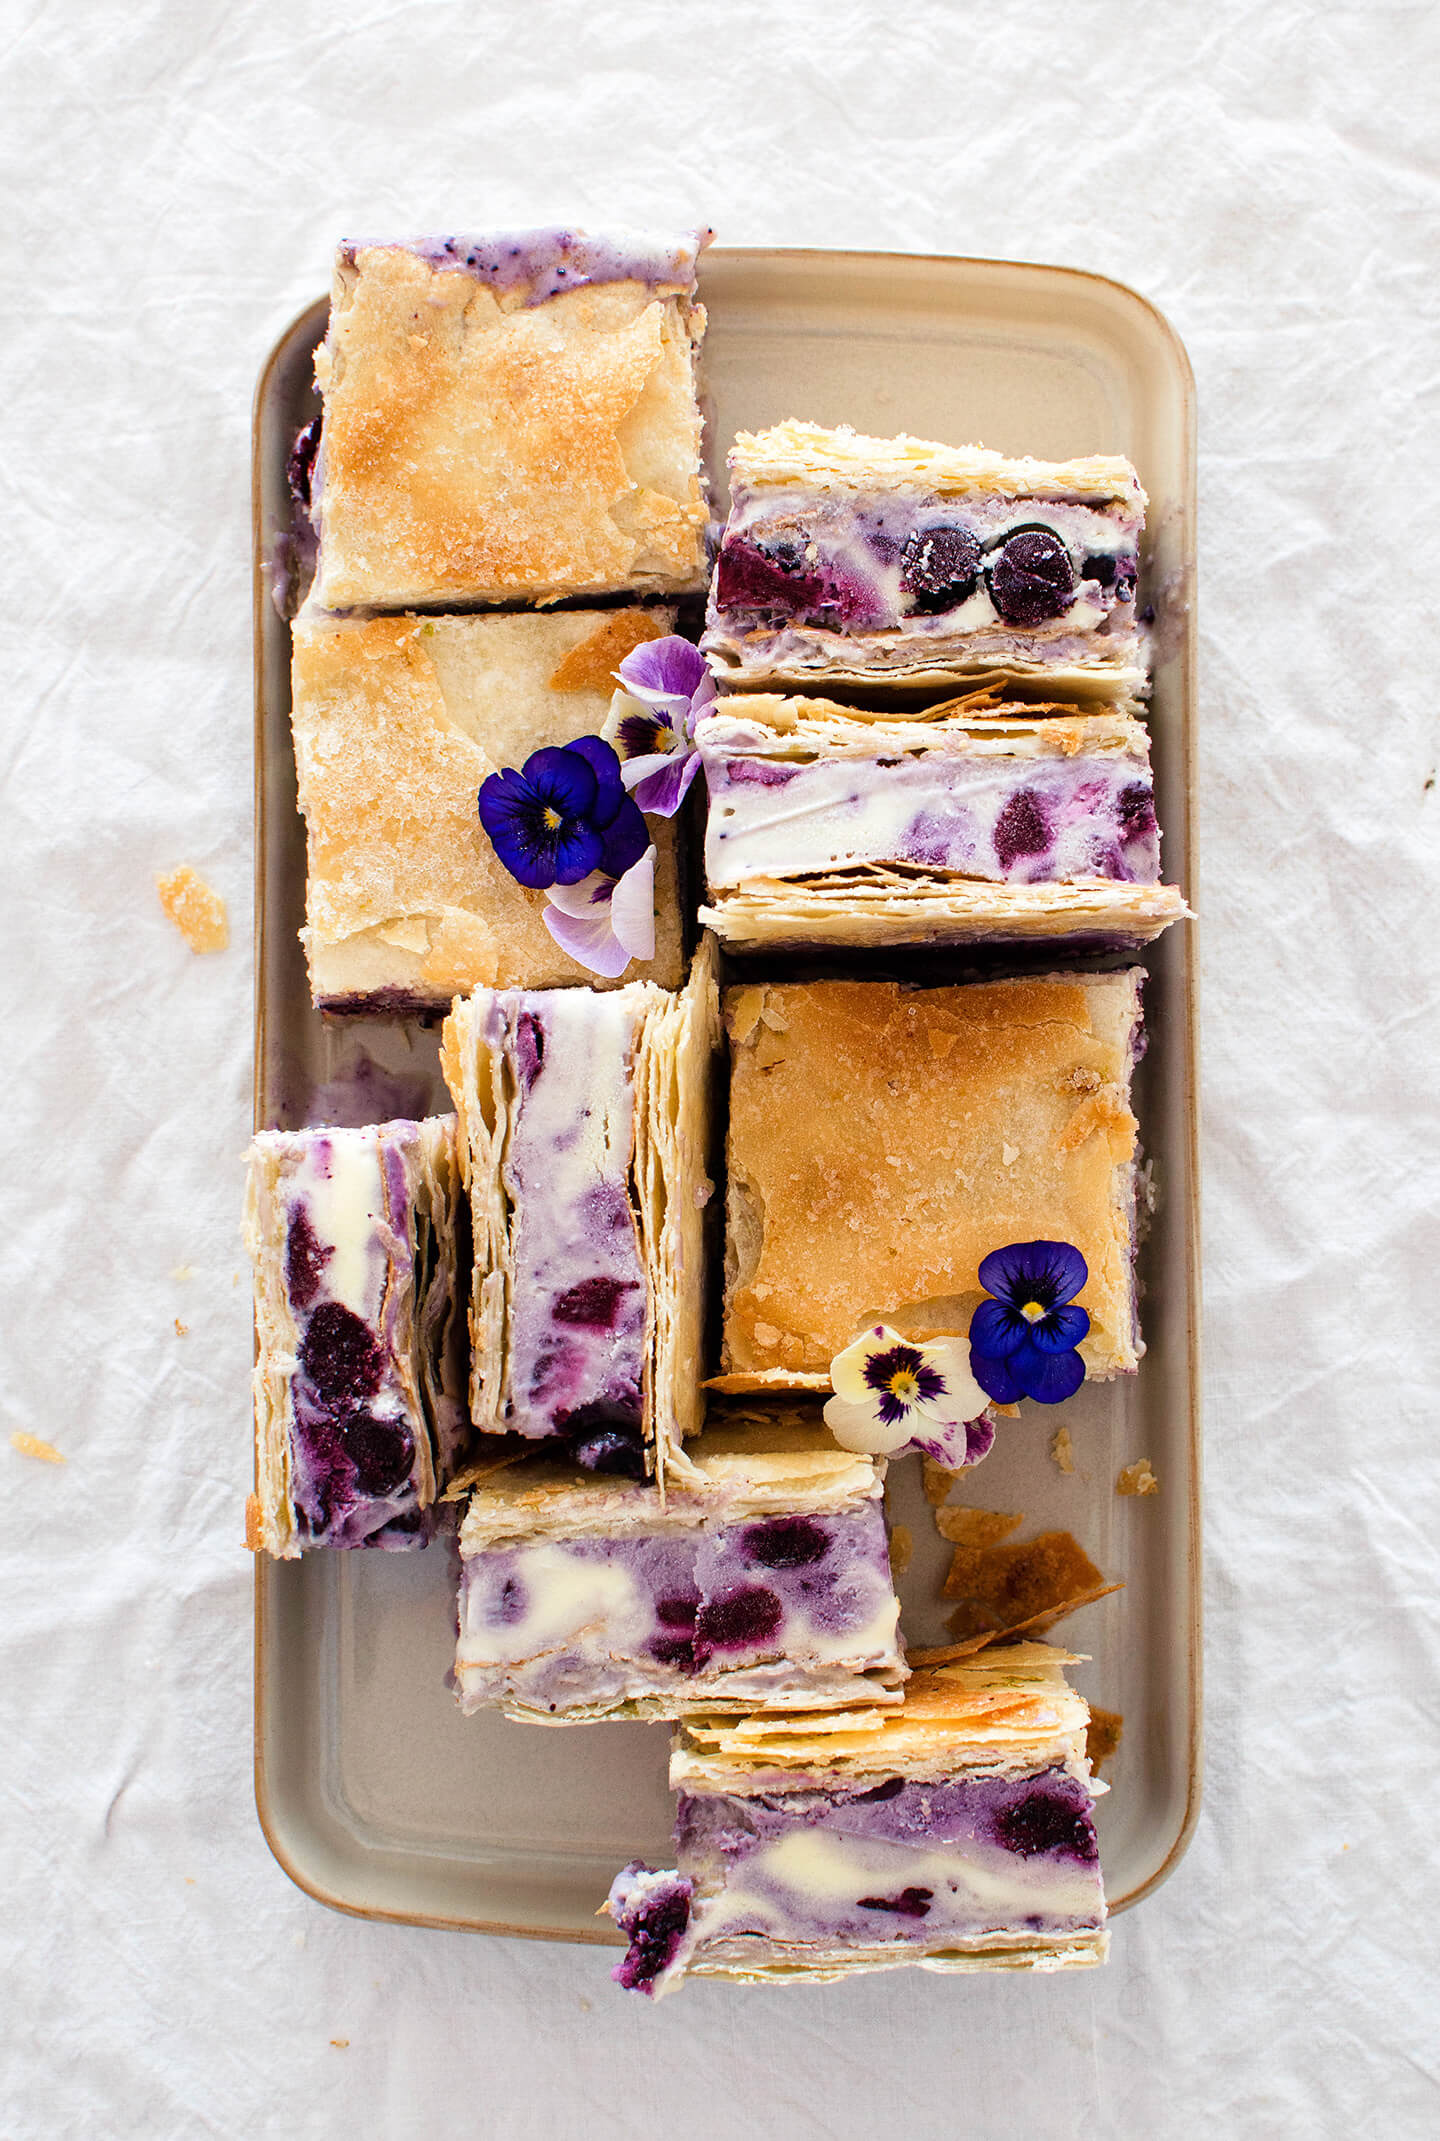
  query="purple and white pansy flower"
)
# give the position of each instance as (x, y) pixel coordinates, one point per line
(665, 688)
(893, 1394)
(605, 922)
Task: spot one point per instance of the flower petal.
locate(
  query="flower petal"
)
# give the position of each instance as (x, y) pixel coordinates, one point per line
(593, 944)
(963, 1398)
(857, 1427)
(624, 839)
(997, 1378)
(996, 1329)
(601, 758)
(632, 908)
(563, 778)
(578, 850)
(957, 1444)
(1050, 1378)
(592, 892)
(662, 792)
(669, 668)
(1044, 1271)
(847, 1369)
(1061, 1330)
(636, 770)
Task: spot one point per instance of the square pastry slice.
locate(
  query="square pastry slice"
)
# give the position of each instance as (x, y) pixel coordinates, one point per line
(397, 722)
(509, 418)
(761, 1583)
(866, 560)
(956, 1832)
(975, 821)
(360, 1414)
(585, 1140)
(884, 1139)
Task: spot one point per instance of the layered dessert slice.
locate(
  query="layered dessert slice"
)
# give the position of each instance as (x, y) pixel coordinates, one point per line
(360, 1416)
(763, 1582)
(977, 821)
(864, 560)
(886, 1141)
(956, 1832)
(585, 1139)
(508, 418)
(397, 722)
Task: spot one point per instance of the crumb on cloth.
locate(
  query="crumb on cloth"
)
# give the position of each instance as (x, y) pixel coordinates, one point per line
(32, 1446)
(197, 912)
(1137, 1479)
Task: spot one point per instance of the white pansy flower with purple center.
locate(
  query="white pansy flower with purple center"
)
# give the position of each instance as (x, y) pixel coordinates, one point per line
(893, 1394)
(665, 688)
(605, 922)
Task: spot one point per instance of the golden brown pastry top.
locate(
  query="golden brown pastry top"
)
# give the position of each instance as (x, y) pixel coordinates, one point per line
(841, 459)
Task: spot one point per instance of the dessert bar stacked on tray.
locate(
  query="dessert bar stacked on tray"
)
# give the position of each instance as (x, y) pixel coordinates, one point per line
(743, 1197)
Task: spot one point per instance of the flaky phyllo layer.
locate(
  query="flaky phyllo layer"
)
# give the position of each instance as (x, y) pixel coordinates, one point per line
(584, 1142)
(509, 418)
(359, 1382)
(863, 558)
(955, 1831)
(763, 1582)
(976, 820)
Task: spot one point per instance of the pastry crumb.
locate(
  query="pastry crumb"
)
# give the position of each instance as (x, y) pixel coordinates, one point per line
(197, 912)
(341, 2044)
(939, 1479)
(182, 1271)
(902, 1546)
(1009, 1154)
(977, 1527)
(1102, 1736)
(1137, 1479)
(1027, 1585)
(182, 1330)
(32, 1446)
(1062, 1449)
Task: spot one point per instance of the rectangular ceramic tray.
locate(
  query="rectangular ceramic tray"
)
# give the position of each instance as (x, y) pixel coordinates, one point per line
(375, 1794)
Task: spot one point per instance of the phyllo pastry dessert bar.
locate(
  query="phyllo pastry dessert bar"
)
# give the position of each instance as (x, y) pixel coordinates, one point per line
(972, 822)
(761, 1583)
(397, 723)
(585, 1135)
(360, 1415)
(955, 1832)
(884, 1140)
(508, 418)
(864, 560)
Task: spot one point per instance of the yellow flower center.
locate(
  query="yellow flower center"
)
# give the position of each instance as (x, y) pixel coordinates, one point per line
(1032, 1311)
(552, 818)
(904, 1386)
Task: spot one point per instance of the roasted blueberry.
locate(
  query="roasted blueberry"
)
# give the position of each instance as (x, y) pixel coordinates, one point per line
(381, 1452)
(529, 1047)
(341, 1357)
(593, 1302)
(1137, 812)
(510, 1604)
(938, 567)
(786, 1542)
(1021, 828)
(910, 1903)
(606, 1444)
(737, 1619)
(1099, 567)
(1031, 577)
(1046, 1821)
(761, 572)
(676, 1612)
(890, 1789)
(305, 1258)
(655, 1933)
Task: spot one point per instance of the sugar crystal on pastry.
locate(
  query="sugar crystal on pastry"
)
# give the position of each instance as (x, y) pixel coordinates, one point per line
(397, 723)
(759, 1581)
(902, 559)
(978, 820)
(360, 1414)
(883, 1140)
(955, 1832)
(509, 417)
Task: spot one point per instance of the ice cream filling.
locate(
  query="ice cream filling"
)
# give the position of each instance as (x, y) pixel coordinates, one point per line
(1007, 819)
(355, 1465)
(558, 1622)
(901, 1863)
(541, 264)
(926, 566)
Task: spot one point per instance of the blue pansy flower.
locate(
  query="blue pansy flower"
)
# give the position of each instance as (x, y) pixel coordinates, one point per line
(564, 814)
(1022, 1342)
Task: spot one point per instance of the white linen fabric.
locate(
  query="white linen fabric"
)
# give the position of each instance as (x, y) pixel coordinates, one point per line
(177, 177)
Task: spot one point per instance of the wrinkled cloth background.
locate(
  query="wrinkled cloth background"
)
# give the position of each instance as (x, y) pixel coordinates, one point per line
(177, 178)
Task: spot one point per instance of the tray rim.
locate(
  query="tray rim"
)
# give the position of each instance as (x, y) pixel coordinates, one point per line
(1188, 1051)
